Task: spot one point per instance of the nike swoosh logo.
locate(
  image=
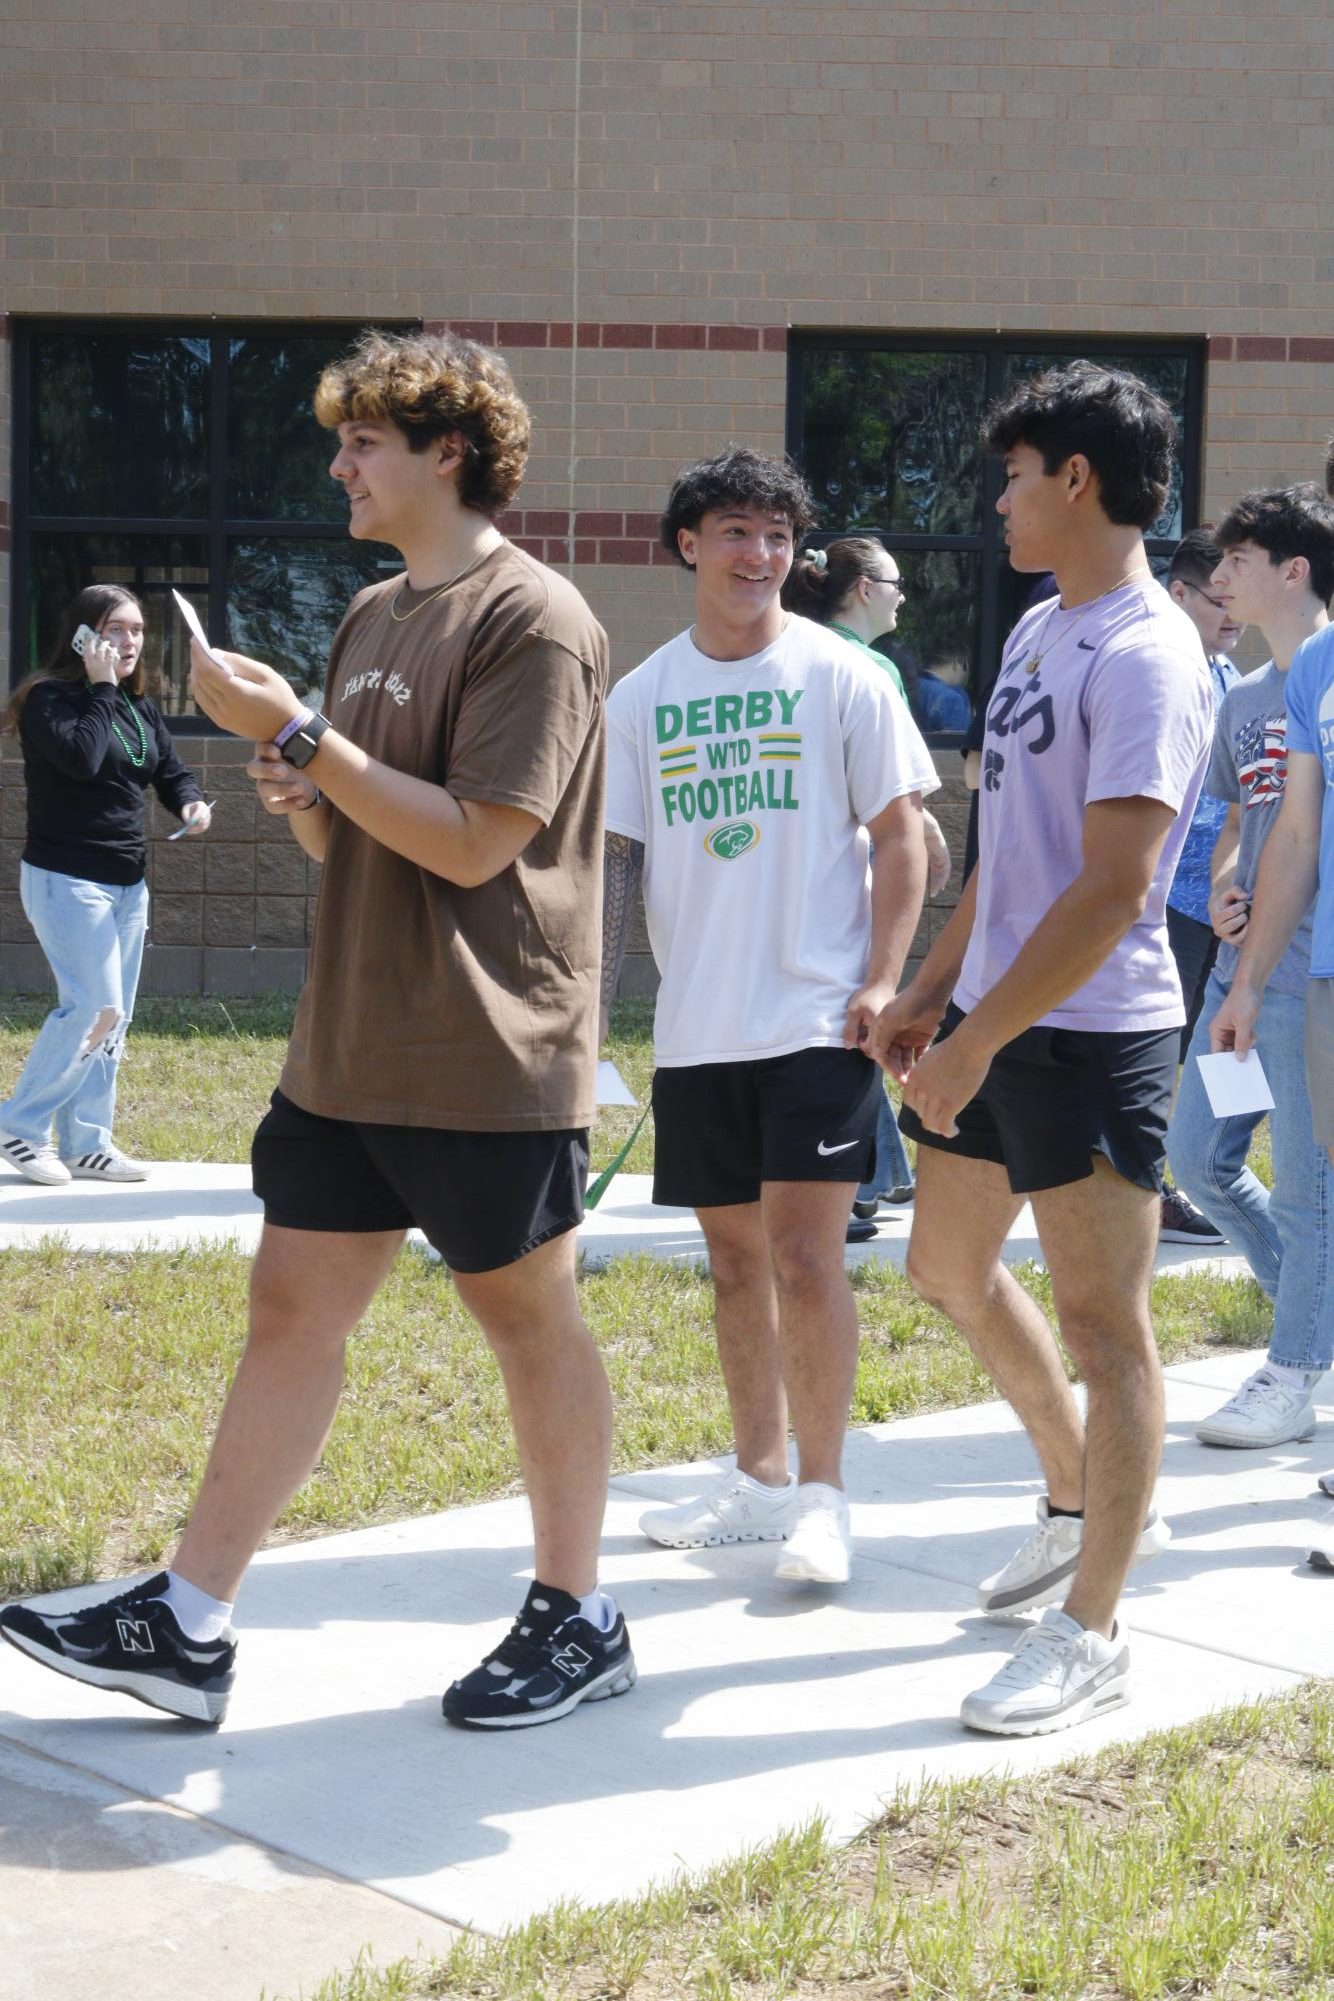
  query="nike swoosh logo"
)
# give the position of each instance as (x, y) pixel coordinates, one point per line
(1088, 645)
(822, 1148)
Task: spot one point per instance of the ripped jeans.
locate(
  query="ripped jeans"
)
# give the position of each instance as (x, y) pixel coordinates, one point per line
(93, 936)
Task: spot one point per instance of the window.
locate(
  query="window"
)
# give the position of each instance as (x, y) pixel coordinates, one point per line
(190, 458)
(886, 430)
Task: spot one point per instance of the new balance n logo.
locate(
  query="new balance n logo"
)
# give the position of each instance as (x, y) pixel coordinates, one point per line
(570, 1659)
(136, 1635)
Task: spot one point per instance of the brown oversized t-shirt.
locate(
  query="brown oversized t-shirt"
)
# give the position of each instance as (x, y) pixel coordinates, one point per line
(430, 1005)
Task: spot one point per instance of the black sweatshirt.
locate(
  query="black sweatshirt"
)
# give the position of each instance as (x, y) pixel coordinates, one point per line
(85, 796)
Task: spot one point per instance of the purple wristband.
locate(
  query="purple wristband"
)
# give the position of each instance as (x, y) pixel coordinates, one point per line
(298, 722)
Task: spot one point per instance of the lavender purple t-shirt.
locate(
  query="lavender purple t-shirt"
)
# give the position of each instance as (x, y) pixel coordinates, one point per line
(1118, 707)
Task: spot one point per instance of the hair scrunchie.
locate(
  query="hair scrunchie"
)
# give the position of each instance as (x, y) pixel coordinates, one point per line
(818, 559)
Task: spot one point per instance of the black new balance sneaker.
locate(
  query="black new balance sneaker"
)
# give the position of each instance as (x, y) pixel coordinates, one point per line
(550, 1660)
(131, 1643)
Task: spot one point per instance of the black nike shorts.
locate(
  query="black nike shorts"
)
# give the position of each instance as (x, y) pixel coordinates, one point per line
(1056, 1096)
(721, 1129)
(482, 1199)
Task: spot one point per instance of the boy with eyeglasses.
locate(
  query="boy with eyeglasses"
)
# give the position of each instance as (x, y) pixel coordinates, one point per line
(1189, 929)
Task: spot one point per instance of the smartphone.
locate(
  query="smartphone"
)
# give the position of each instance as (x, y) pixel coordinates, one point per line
(83, 639)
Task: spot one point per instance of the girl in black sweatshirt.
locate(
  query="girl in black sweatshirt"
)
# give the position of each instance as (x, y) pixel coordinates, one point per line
(92, 743)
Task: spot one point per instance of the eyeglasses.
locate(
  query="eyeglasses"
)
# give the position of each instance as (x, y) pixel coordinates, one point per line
(1200, 591)
(895, 583)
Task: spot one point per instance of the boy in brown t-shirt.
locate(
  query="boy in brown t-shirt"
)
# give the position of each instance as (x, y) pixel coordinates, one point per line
(441, 1067)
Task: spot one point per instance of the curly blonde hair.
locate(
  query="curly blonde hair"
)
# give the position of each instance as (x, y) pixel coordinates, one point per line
(430, 385)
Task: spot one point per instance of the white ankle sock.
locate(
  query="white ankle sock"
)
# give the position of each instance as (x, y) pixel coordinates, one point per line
(1297, 1379)
(598, 1609)
(198, 1616)
(783, 1487)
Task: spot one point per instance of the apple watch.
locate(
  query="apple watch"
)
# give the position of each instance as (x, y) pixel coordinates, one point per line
(298, 741)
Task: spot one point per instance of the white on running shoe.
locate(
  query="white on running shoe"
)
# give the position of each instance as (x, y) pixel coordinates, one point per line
(1041, 1568)
(819, 1549)
(735, 1509)
(41, 1164)
(1059, 1674)
(1265, 1411)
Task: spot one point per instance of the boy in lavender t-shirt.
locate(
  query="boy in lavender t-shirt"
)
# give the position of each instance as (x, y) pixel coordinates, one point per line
(1059, 1012)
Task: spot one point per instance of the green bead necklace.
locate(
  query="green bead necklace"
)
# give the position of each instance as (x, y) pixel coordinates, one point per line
(139, 761)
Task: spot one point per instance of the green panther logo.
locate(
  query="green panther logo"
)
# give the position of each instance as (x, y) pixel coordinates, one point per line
(726, 843)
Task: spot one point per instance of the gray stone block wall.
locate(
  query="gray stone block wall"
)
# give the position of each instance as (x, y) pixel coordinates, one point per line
(231, 909)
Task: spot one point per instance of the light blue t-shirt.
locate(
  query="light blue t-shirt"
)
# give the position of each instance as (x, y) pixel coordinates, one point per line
(1311, 730)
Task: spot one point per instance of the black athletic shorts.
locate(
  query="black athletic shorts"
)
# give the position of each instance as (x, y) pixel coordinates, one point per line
(1056, 1096)
(482, 1199)
(720, 1129)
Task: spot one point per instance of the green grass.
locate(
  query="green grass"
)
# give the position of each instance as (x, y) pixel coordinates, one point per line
(1197, 1862)
(115, 1368)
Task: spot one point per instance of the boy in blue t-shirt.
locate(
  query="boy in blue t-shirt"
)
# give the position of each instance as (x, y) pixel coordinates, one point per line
(1298, 864)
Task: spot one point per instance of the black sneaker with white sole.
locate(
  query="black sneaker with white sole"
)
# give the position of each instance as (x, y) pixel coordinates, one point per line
(1180, 1222)
(550, 1660)
(132, 1644)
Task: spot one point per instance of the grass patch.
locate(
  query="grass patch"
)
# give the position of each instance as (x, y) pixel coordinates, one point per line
(116, 1366)
(1198, 1862)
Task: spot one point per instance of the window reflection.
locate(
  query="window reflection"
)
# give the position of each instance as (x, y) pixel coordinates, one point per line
(277, 455)
(891, 438)
(120, 424)
(150, 566)
(286, 596)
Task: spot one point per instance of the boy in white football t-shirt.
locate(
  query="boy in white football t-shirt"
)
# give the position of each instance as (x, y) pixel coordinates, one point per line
(750, 763)
(1059, 1009)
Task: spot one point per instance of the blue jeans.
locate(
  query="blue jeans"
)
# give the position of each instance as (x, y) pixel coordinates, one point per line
(93, 936)
(1285, 1235)
(891, 1160)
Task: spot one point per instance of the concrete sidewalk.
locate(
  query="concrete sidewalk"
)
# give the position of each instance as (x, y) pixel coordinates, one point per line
(191, 1202)
(334, 1807)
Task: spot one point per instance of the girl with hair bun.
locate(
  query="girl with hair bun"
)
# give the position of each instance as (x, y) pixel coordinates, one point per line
(853, 586)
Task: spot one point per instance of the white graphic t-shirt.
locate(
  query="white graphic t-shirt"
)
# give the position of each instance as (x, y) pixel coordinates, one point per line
(749, 783)
(1109, 700)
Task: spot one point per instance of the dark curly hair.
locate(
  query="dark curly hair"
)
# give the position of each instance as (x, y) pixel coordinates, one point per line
(736, 477)
(1115, 421)
(430, 385)
(1286, 521)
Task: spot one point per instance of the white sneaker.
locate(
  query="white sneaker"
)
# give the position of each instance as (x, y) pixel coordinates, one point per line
(1265, 1411)
(112, 1165)
(1058, 1674)
(1320, 1549)
(1326, 1484)
(1040, 1568)
(819, 1548)
(736, 1509)
(35, 1163)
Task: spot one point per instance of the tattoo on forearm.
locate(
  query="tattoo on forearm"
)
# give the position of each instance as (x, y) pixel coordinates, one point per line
(622, 867)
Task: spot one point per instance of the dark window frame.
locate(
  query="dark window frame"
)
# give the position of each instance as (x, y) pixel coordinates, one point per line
(216, 528)
(996, 347)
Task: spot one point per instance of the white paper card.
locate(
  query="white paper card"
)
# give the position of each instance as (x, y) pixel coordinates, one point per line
(612, 1087)
(191, 617)
(1235, 1085)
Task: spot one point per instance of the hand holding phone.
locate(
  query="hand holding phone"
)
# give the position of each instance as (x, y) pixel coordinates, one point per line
(97, 655)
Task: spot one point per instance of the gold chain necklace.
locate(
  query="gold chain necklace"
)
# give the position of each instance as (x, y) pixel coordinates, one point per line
(1040, 651)
(401, 618)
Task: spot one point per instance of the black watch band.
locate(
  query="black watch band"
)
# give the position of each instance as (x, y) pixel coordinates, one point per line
(301, 746)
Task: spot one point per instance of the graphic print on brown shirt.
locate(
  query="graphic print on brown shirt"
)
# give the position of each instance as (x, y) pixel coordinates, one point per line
(428, 1004)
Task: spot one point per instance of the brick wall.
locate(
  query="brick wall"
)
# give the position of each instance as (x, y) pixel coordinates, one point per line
(637, 200)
